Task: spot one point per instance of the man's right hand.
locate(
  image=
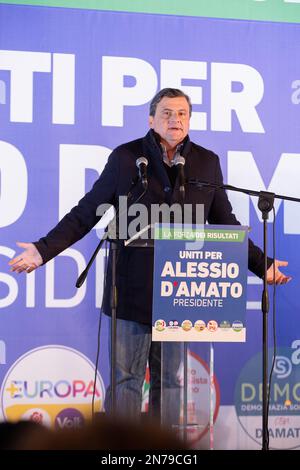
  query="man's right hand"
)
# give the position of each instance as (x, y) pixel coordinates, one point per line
(29, 260)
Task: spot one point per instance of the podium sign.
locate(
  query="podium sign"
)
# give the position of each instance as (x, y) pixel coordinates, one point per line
(200, 280)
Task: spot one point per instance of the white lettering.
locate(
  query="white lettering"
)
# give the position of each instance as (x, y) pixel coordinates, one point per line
(172, 72)
(224, 100)
(8, 280)
(73, 162)
(243, 172)
(53, 302)
(13, 195)
(63, 97)
(22, 65)
(115, 96)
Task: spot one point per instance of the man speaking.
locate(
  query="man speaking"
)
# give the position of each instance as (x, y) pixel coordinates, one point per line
(159, 158)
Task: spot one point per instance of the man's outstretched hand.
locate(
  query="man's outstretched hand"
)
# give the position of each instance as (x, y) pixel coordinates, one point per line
(29, 260)
(278, 277)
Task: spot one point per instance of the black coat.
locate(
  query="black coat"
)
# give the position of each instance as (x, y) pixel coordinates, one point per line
(135, 265)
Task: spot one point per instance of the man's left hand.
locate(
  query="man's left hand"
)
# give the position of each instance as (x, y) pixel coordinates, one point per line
(278, 277)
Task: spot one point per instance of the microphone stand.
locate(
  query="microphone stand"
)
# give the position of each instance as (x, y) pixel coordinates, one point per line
(185, 344)
(114, 299)
(265, 205)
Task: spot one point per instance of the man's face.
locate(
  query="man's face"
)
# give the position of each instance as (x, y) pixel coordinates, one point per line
(171, 120)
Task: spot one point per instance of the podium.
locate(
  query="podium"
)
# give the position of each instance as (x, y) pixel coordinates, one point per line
(199, 295)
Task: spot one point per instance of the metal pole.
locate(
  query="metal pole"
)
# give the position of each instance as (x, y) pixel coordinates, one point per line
(113, 327)
(185, 390)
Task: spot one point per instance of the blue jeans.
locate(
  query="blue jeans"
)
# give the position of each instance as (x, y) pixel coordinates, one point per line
(133, 349)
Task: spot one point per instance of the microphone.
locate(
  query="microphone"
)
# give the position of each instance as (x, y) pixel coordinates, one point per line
(142, 163)
(179, 162)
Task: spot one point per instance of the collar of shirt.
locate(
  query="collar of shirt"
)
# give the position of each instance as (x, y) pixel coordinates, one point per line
(166, 160)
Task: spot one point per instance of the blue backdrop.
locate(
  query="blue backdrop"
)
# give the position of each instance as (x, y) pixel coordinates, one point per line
(73, 85)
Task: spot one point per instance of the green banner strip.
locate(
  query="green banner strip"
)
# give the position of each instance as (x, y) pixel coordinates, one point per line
(266, 10)
(206, 235)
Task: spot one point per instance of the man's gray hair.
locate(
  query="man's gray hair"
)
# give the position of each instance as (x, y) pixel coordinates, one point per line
(168, 93)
